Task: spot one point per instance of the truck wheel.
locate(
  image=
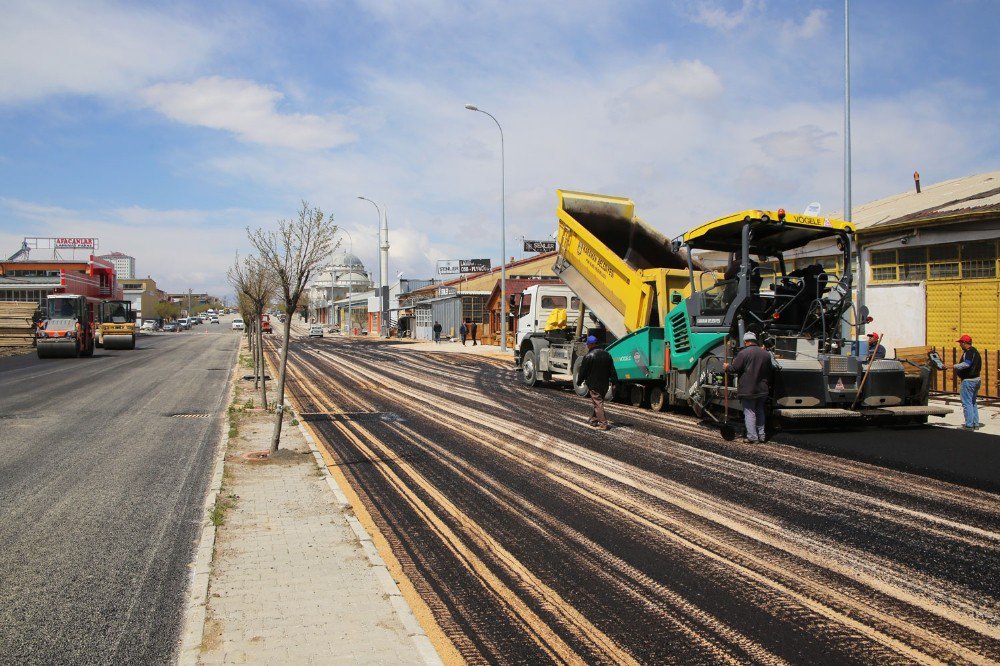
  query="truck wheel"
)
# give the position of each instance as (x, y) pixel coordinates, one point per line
(580, 388)
(636, 395)
(529, 373)
(658, 399)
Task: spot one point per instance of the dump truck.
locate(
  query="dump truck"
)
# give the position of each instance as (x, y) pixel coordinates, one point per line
(670, 325)
(625, 274)
(115, 325)
(68, 327)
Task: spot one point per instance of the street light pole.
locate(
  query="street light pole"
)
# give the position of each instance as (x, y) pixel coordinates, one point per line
(503, 235)
(383, 238)
(350, 286)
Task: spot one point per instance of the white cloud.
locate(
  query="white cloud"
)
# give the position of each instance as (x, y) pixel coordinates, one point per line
(92, 48)
(811, 25)
(180, 249)
(715, 14)
(806, 141)
(672, 87)
(248, 110)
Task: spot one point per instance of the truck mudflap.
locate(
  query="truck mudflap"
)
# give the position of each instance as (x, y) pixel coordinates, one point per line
(902, 411)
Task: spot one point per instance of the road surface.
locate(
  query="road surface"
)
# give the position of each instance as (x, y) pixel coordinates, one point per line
(104, 468)
(533, 538)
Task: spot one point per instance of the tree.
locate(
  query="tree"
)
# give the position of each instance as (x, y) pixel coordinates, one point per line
(255, 287)
(167, 310)
(292, 253)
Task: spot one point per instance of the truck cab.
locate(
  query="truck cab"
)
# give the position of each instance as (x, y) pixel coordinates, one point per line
(533, 307)
(115, 325)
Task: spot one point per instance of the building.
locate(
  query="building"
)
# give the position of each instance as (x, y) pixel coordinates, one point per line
(144, 296)
(32, 280)
(929, 263)
(453, 301)
(344, 275)
(123, 263)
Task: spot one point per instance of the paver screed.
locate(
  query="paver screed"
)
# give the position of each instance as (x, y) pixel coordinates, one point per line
(290, 580)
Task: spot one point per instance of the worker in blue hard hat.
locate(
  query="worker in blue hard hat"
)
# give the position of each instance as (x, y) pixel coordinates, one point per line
(597, 371)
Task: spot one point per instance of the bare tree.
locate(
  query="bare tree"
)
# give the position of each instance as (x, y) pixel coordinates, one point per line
(255, 287)
(292, 253)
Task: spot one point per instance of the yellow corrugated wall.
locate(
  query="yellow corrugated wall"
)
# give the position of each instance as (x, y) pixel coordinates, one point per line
(960, 307)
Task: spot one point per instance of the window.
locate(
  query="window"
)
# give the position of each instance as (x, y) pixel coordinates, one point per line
(979, 259)
(550, 302)
(913, 263)
(884, 266)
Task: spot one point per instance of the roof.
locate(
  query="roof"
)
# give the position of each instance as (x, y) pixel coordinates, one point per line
(544, 257)
(518, 285)
(956, 200)
(772, 232)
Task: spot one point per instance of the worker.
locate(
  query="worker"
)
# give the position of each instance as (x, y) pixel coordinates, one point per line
(875, 350)
(597, 370)
(437, 332)
(463, 331)
(753, 367)
(968, 370)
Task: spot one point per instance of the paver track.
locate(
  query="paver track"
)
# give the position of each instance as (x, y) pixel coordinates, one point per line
(533, 538)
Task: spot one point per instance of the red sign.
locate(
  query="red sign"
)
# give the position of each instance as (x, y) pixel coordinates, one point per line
(75, 243)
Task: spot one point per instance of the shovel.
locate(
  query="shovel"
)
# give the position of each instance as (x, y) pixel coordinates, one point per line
(726, 429)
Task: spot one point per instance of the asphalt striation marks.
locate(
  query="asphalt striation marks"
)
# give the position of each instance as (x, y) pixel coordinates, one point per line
(533, 538)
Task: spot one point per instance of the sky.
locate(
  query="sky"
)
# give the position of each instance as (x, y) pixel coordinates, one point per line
(166, 129)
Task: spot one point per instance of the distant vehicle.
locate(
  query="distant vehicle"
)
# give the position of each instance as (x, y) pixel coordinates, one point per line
(238, 324)
(149, 325)
(215, 320)
(265, 324)
(171, 327)
(210, 311)
(333, 329)
(184, 323)
(315, 331)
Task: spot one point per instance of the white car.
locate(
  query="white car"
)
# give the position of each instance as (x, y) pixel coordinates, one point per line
(238, 325)
(315, 331)
(148, 325)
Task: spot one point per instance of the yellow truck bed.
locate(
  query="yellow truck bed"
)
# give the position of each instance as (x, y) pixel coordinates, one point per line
(623, 269)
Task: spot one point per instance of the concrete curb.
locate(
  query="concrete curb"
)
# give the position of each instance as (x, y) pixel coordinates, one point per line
(420, 639)
(193, 631)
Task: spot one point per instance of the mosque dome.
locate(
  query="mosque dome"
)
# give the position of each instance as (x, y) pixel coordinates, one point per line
(343, 260)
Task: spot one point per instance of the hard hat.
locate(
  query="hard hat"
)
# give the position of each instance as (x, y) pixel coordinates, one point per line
(965, 338)
(749, 336)
(591, 340)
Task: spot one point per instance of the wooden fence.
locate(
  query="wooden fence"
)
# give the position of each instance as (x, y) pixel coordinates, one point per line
(946, 381)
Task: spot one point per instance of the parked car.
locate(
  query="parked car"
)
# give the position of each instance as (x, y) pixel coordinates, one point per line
(184, 323)
(149, 325)
(315, 331)
(171, 327)
(238, 324)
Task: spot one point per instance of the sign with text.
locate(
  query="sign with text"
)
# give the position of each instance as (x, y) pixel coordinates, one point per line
(463, 266)
(75, 243)
(473, 265)
(448, 267)
(539, 246)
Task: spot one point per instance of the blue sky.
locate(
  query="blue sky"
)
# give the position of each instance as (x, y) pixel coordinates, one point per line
(165, 129)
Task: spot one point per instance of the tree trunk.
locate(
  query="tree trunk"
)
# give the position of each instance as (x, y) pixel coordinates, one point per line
(263, 366)
(279, 412)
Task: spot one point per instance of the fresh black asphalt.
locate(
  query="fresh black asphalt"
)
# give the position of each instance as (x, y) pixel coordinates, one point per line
(101, 495)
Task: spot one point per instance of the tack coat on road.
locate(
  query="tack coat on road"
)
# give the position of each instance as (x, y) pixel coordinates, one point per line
(532, 538)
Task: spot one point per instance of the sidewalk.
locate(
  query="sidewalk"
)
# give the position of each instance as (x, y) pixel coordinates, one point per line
(292, 577)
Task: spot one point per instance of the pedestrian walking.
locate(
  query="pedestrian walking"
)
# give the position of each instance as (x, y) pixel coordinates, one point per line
(753, 367)
(968, 370)
(598, 371)
(875, 350)
(463, 331)
(437, 333)
(473, 327)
